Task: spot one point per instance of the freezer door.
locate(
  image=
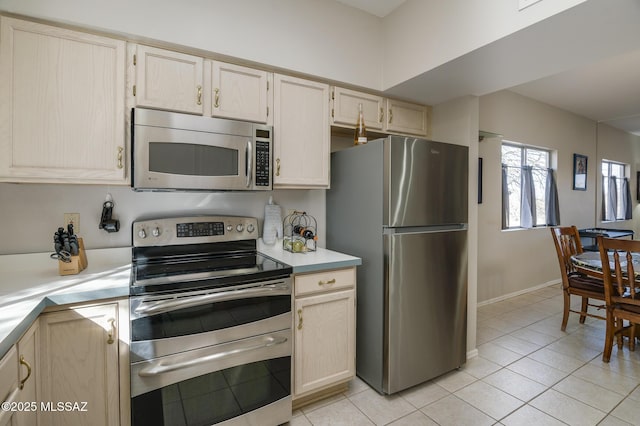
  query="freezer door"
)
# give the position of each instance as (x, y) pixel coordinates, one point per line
(426, 306)
(426, 182)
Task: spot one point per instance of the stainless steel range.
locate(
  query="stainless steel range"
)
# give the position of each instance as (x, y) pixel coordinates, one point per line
(210, 325)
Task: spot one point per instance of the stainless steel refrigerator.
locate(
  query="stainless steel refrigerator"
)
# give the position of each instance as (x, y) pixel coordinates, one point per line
(401, 205)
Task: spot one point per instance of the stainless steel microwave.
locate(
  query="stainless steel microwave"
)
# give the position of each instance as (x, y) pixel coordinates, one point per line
(181, 152)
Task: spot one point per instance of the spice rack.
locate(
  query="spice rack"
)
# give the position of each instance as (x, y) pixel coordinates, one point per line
(300, 232)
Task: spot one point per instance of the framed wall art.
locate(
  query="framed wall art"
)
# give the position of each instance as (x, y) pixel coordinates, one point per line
(579, 172)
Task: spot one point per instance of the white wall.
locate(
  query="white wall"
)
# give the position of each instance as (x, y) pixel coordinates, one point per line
(622, 147)
(457, 122)
(31, 213)
(315, 37)
(422, 35)
(516, 260)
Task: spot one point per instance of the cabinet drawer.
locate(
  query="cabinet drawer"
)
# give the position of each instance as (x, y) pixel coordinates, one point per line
(325, 281)
(8, 373)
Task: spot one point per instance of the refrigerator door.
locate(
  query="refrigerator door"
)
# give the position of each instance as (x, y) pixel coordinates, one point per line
(426, 182)
(426, 299)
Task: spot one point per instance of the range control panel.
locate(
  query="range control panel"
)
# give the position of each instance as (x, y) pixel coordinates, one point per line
(193, 230)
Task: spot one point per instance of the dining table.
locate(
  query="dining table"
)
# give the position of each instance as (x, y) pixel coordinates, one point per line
(590, 263)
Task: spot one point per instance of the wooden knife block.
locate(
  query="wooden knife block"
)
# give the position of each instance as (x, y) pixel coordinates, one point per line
(78, 263)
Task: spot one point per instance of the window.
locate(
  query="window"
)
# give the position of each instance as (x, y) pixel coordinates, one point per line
(529, 190)
(615, 192)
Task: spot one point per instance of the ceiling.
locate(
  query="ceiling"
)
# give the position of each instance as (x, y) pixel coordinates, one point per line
(585, 60)
(380, 8)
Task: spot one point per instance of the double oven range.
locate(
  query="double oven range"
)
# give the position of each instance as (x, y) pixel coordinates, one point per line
(210, 325)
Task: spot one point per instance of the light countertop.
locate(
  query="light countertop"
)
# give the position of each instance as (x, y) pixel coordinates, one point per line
(30, 282)
(319, 260)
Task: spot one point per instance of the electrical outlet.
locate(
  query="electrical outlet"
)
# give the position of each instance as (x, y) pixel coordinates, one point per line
(74, 219)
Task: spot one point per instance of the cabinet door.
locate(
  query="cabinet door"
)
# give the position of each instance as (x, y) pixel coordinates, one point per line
(301, 133)
(403, 117)
(28, 359)
(324, 352)
(79, 363)
(9, 386)
(168, 80)
(62, 110)
(344, 110)
(239, 93)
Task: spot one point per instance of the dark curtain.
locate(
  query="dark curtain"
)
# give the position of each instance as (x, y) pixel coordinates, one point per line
(628, 204)
(552, 211)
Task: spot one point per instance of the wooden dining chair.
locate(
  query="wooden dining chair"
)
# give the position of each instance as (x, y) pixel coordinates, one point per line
(567, 242)
(621, 292)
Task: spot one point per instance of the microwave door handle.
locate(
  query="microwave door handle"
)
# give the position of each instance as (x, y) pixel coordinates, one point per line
(249, 163)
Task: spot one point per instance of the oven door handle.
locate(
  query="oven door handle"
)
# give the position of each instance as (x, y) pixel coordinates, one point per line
(160, 367)
(154, 308)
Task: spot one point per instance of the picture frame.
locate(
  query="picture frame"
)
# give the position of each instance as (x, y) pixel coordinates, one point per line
(480, 180)
(579, 172)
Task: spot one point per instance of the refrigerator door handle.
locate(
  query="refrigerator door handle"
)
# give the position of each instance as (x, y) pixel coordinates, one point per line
(425, 229)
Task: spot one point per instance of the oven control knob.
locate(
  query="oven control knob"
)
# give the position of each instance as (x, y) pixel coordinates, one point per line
(240, 227)
(156, 232)
(229, 228)
(250, 228)
(142, 233)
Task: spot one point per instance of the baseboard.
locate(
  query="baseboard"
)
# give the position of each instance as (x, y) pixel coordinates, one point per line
(519, 293)
(472, 354)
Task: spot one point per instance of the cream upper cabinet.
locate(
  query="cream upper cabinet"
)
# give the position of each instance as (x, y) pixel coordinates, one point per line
(301, 132)
(168, 80)
(240, 93)
(344, 108)
(79, 363)
(404, 117)
(324, 330)
(62, 115)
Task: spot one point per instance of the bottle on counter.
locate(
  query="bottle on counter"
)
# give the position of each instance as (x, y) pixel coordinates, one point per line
(360, 137)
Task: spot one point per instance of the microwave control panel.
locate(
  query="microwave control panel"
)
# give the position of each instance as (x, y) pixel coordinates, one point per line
(263, 163)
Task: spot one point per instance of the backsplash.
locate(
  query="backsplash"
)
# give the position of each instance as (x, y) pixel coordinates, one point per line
(31, 213)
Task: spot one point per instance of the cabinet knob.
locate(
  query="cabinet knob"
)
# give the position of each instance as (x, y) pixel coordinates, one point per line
(199, 95)
(112, 332)
(216, 98)
(390, 116)
(323, 282)
(26, 364)
(277, 167)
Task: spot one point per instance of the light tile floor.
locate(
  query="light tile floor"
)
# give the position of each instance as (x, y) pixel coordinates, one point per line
(528, 372)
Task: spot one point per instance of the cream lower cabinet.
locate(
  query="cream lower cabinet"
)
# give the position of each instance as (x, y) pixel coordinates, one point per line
(324, 330)
(9, 391)
(19, 382)
(79, 365)
(62, 114)
(301, 133)
(29, 376)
